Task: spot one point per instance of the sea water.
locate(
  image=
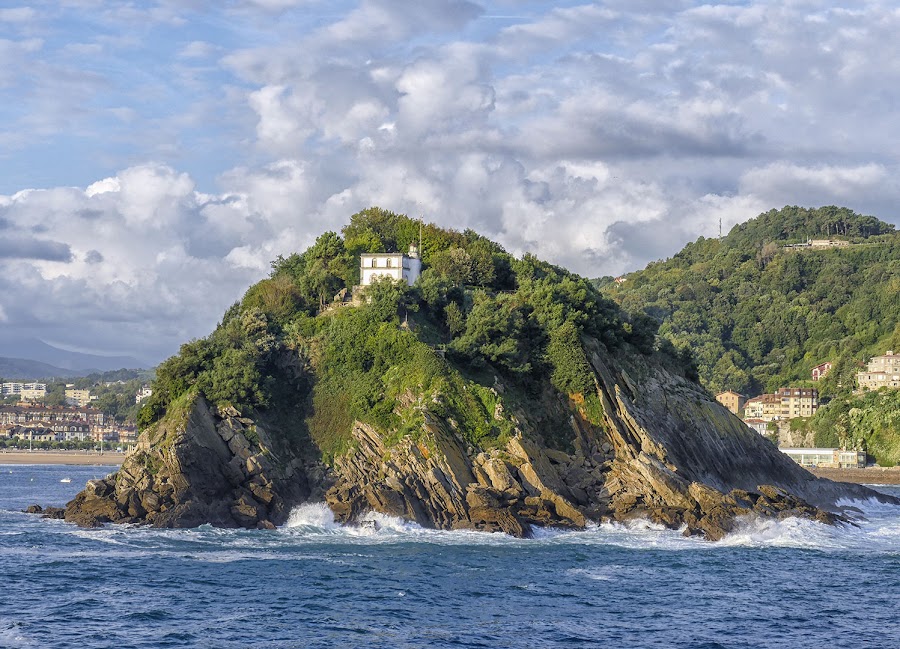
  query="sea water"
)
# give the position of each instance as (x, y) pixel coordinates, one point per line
(390, 583)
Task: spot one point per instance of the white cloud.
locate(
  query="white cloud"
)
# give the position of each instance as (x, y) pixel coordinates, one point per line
(600, 136)
(17, 15)
(103, 186)
(782, 183)
(197, 50)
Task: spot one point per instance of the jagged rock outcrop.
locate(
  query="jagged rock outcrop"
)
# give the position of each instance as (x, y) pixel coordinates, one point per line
(206, 466)
(664, 450)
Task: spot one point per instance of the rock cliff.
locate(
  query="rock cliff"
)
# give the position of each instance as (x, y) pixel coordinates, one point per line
(497, 393)
(203, 465)
(663, 450)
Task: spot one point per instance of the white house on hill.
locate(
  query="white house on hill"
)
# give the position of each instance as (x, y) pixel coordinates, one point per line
(395, 265)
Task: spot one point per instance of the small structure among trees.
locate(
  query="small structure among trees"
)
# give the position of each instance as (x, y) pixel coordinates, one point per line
(395, 265)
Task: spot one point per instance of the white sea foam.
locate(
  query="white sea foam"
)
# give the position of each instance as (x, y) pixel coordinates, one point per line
(876, 530)
(312, 517)
(11, 635)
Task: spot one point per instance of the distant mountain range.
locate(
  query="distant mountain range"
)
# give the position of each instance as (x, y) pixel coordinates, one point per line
(23, 369)
(34, 359)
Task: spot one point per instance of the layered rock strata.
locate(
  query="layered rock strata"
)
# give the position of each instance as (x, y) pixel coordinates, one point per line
(211, 467)
(664, 450)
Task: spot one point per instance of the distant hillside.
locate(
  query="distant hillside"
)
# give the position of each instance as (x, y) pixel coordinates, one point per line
(24, 369)
(76, 363)
(757, 315)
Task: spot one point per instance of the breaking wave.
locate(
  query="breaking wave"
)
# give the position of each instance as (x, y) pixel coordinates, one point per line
(875, 529)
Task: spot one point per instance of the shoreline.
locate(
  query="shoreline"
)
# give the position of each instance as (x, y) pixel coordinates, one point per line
(869, 475)
(80, 458)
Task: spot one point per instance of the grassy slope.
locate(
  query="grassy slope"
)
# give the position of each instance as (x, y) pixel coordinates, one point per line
(494, 343)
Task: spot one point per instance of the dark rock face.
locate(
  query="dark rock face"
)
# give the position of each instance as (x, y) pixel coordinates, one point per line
(664, 450)
(46, 512)
(203, 470)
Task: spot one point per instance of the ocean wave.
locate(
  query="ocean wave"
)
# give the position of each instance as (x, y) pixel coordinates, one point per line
(875, 530)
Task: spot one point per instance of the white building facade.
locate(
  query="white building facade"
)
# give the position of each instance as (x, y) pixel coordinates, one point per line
(395, 265)
(25, 391)
(881, 372)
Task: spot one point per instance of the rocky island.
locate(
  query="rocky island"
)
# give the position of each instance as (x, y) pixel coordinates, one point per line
(488, 393)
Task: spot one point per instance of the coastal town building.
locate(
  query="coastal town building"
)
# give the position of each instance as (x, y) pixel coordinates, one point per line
(881, 372)
(798, 402)
(766, 407)
(732, 400)
(143, 393)
(24, 391)
(819, 243)
(786, 403)
(79, 398)
(828, 243)
(27, 414)
(827, 457)
(820, 371)
(395, 265)
(54, 424)
(761, 426)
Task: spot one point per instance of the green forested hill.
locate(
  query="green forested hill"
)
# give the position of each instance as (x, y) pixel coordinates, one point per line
(757, 315)
(477, 318)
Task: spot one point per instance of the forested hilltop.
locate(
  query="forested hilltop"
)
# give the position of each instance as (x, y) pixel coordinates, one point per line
(487, 314)
(496, 393)
(759, 312)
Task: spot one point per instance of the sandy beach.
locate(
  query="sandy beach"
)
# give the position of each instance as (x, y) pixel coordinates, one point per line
(91, 458)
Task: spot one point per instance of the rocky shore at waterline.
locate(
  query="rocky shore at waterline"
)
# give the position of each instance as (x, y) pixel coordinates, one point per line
(663, 450)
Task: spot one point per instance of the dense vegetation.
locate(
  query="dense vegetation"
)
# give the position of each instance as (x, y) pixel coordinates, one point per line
(758, 315)
(478, 319)
(869, 422)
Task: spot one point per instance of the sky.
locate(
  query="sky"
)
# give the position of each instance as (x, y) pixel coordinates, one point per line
(156, 155)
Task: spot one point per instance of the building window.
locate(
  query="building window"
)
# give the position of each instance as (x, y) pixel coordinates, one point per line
(374, 263)
(388, 262)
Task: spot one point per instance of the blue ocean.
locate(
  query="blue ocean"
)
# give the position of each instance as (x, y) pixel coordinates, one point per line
(392, 584)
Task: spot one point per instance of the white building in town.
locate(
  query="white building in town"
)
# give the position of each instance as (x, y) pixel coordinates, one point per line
(143, 393)
(395, 265)
(25, 391)
(78, 398)
(881, 372)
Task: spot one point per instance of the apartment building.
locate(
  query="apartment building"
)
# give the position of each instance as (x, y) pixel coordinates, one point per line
(24, 391)
(881, 372)
(732, 400)
(786, 403)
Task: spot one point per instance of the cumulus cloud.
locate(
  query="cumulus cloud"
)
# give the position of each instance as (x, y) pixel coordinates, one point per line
(16, 247)
(598, 135)
(151, 284)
